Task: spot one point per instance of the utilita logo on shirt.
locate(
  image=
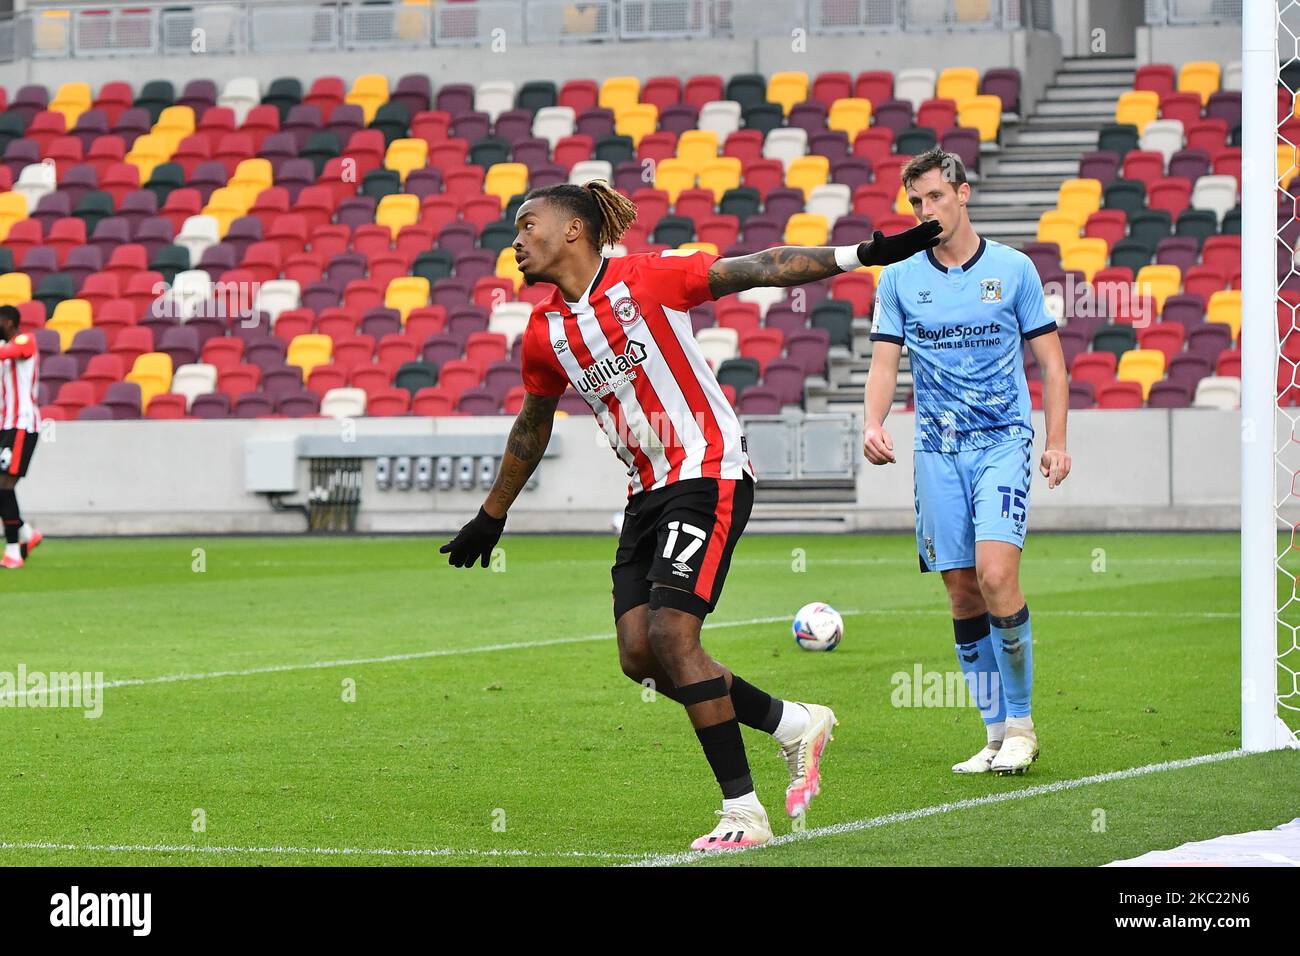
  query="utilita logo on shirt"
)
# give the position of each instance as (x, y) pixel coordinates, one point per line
(610, 374)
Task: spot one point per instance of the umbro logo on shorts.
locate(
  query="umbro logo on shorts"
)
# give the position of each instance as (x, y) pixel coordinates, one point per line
(682, 568)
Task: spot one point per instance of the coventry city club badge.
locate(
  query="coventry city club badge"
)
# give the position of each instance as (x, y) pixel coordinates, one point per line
(990, 290)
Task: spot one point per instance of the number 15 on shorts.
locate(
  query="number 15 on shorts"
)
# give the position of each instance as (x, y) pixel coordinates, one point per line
(1013, 497)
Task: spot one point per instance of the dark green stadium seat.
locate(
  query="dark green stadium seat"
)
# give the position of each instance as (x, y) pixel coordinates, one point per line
(1133, 253)
(381, 182)
(433, 265)
(1116, 339)
(393, 120)
(54, 289)
(155, 96)
(1130, 195)
(674, 230)
(497, 236)
(915, 141)
(12, 127)
(414, 376)
(741, 202)
(535, 94)
(1232, 222)
(170, 260)
(1117, 138)
(1150, 226)
(488, 152)
(6, 260)
(747, 89)
(1200, 223)
(512, 207)
(764, 117)
(1234, 136)
(284, 94)
(739, 373)
(164, 178)
(836, 317)
(320, 149)
(614, 150)
(93, 206)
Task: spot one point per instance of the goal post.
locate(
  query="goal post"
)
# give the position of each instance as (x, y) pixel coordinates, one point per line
(1270, 473)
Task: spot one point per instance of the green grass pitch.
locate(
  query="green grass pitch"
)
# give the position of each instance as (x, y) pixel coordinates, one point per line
(491, 725)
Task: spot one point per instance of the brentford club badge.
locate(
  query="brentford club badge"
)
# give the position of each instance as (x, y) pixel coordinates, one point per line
(626, 310)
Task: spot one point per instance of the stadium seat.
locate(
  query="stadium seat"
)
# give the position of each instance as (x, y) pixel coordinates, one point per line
(1144, 366)
(343, 403)
(984, 113)
(1224, 307)
(1136, 108)
(1200, 77)
(1218, 392)
(1120, 395)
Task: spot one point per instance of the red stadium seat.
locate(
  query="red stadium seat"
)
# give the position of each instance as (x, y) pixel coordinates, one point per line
(702, 89)
(1120, 395)
(1095, 368)
(434, 402)
(388, 403)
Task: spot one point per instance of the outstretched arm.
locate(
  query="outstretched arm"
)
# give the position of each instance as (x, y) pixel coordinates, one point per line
(795, 265)
(529, 436)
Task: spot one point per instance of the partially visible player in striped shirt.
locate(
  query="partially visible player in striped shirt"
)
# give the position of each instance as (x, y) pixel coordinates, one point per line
(20, 422)
(618, 330)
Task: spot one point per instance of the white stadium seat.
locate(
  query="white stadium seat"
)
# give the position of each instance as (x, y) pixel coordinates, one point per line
(343, 403)
(193, 380)
(553, 123)
(721, 116)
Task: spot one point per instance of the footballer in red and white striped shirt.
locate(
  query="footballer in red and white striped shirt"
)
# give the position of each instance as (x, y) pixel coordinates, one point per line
(20, 422)
(618, 330)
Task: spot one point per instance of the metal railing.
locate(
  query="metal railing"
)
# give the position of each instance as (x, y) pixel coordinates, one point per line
(63, 31)
(1183, 12)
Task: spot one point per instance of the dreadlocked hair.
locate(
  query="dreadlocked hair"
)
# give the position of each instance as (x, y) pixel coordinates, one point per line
(604, 212)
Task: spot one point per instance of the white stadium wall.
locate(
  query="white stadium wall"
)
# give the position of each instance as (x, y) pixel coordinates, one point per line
(1132, 470)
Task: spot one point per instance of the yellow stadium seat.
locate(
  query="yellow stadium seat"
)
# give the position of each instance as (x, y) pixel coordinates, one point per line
(152, 371)
(697, 147)
(852, 114)
(72, 100)
(674, 175)
(618, 93)
(405, 155)
(719, 175)
(15, 288)
(398, 210)
(70, 317)
(1087, 255)
(149, 151)
(901, 204)
(636, 120)
(504, 180)
(175, 122)
(807, 173)
(254, 173)
(507, 268)
(958, 83)
(53, 31)
(309, 350)
(1137, 107)
(369, 92)
(983, 113)
(1079, 197)
(13, 207)
(1199, 76)
(807, 229)
(1161, 281)
(226, 205)
(689, 247)
(787, 89)
(1059, 227)
(875, 273)
(406, 293)
(1287, 166)
(1144, 366)
(1225, 307)
(972, 10)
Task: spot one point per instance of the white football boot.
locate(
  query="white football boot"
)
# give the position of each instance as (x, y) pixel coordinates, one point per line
(1019, 750)
(804, 758)
(739, 827)
(982, 762)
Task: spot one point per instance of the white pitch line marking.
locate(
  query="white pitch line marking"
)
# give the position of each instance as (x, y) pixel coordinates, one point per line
(314, 851)
(905, 816)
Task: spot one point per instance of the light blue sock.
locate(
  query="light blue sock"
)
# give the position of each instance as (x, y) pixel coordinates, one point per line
(980, 667)
(1013, 645)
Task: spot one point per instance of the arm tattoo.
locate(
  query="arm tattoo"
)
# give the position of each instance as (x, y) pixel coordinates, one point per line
(528, 439)
(778, 266)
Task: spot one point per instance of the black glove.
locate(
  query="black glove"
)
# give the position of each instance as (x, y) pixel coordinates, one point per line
(881, 250)
(475, 540)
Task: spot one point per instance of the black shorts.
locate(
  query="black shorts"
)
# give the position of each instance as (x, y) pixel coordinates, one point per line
(681, 535)
(16, 447)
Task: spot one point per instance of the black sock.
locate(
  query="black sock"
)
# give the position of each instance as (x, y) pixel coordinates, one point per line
(9, 513)
(725, 750)
(755, 708)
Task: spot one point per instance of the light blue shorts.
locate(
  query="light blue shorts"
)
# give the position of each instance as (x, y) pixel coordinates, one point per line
(968, 496)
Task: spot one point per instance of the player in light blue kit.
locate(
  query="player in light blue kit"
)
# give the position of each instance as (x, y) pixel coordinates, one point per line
(964, 310)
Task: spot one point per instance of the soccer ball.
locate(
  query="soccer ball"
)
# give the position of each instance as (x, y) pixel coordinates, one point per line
(818, 627)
